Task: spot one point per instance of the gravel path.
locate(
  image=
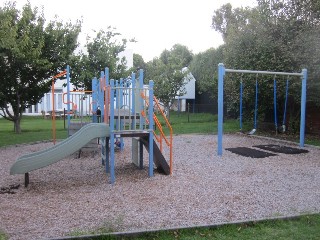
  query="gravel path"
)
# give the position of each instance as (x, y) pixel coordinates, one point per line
(74, 194)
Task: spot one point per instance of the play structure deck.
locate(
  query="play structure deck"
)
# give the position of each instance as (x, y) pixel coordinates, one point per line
(126, 109)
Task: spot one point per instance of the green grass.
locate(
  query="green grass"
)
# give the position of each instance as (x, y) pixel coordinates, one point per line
(3, 236)
(39, 129)
(33, 129)
(304, 227)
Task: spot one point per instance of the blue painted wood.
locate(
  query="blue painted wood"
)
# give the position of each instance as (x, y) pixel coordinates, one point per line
(94, 99)
(112, 137)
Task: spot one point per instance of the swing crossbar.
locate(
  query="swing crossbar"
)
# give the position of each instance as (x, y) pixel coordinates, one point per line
(263, 72)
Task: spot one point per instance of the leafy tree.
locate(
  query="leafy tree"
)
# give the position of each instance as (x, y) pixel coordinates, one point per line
(30, 54)
(204, 68)
(138, 62)
(278, 36)
(166, 71)
(101, 51)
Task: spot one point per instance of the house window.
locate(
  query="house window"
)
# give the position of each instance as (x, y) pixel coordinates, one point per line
(59, 101)
(48, 98)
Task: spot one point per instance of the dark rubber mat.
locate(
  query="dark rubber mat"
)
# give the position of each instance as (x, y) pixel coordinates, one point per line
(250, 152)
(281, 149)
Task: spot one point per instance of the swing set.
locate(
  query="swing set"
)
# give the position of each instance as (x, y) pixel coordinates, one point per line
(282, 128)
(303, 76)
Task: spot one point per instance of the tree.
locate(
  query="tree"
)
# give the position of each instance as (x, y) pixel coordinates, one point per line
(138, 62)
(276, 35)
(30, 54)
(204, 68)
(166, 71)
(101, 51)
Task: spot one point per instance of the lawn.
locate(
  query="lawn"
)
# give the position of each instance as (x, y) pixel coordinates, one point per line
(33, 129)
(304, 227)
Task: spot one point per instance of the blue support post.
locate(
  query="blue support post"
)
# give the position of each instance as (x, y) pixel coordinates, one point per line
(133, 85)
(106, 74)
(112, 171)
(221, 72)
(150, 128)
(121, 96)
(94, 100)
(107, 152)
(133, 99)
(68, 97)
(303, 106)
(240, 110)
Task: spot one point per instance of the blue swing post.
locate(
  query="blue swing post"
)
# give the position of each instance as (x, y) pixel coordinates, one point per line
(112, 137)
(241, 93)
(303, 106)
(221, 73)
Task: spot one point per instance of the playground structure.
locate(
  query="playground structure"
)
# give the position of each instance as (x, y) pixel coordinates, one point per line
(221, 73)
(127, 110)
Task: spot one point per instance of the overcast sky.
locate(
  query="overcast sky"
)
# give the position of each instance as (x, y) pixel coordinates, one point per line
(155, 24)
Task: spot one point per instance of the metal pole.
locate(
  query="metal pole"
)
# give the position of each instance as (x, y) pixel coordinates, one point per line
(262, 72)
(221, 73)
(303, 106)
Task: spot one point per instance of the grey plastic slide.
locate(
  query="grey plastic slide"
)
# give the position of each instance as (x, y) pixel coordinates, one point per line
(40, 159)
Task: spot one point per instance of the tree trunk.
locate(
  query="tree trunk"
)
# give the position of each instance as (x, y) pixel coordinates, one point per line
(17, 127)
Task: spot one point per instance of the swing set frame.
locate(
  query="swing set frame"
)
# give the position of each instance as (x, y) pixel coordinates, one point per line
(221, 73)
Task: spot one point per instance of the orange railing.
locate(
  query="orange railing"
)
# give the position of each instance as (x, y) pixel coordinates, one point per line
(162, 135)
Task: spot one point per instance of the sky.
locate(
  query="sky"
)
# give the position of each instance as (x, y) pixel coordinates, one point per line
(155, 24)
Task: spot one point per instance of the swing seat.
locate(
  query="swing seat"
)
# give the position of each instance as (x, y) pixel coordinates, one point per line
(252, 131)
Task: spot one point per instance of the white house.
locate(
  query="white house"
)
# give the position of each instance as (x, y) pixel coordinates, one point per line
(190, 88)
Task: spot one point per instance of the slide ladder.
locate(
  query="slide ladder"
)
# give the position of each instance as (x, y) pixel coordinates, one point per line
(160, 137)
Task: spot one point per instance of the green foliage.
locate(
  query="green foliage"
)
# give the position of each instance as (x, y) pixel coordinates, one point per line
(138, 62)
(277, 36)
(166, 71)
(30, 54)
(204, 68)
(102, 51)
